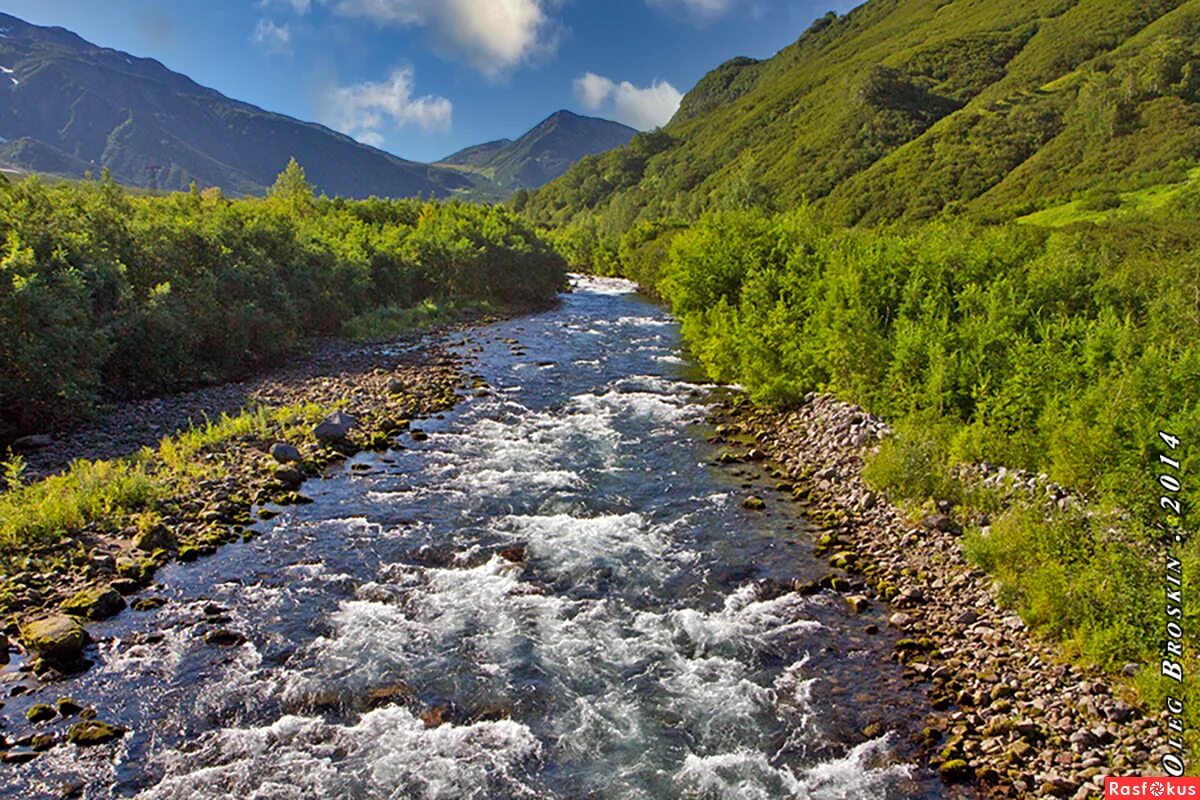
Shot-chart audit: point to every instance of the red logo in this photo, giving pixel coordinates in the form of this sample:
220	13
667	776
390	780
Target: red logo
1152	788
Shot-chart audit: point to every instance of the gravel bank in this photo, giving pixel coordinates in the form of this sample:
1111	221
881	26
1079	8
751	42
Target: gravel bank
1009	713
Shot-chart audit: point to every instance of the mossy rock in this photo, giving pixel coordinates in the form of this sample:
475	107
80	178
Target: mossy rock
68	707
97	603
954	770
754	503
40	713
156	537
58	640
90	733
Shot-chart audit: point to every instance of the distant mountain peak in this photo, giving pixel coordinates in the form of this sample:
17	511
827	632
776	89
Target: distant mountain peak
545	152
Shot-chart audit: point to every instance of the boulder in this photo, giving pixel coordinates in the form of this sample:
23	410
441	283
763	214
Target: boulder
289	478
754	503
943	523
156	537
285	453
335	427
97	603
40	713
93	732
58	639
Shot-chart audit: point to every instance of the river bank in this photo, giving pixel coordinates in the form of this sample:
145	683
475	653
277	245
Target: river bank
214	460
1011	713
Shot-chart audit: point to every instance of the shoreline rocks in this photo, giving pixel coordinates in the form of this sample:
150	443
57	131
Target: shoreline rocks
1008	713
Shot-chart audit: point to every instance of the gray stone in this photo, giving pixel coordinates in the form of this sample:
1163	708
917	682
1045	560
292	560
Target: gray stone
335	427
285	453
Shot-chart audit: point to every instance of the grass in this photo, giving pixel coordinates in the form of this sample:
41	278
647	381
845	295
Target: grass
1139	202
88	492
1080	577
381	323
112	495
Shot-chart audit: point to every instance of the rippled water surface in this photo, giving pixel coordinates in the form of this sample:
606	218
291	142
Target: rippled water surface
553	596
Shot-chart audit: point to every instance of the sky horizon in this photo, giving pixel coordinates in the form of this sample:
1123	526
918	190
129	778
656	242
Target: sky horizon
425	78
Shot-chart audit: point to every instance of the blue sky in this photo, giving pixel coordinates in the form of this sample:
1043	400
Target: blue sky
424	78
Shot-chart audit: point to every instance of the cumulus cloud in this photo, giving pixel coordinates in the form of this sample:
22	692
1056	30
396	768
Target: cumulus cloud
643	108
363	110
275	38
493	36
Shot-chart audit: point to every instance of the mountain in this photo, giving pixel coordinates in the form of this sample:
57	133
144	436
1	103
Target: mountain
544	153
905	109
69	107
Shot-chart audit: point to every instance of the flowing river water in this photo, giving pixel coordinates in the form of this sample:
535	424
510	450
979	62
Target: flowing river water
557	594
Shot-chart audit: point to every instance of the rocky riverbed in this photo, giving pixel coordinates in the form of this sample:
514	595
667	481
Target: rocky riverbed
1009	712
376	387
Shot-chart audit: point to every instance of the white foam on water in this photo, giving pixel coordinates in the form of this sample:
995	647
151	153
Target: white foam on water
6	70
387	753
564	544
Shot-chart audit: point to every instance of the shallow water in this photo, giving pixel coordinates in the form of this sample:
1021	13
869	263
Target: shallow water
630	654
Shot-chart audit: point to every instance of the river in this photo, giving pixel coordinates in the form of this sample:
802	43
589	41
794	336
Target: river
556	594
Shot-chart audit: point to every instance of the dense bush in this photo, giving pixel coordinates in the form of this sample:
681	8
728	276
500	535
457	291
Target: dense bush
103	292
1062	352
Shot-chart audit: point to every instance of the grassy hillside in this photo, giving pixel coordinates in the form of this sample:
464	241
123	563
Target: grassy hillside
906	109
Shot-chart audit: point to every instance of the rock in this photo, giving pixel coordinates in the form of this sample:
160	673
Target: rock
396	386
954	770
285	453
941	522
40	713
754	503
899	620
156	537
36	442
419	436
4	647
334	428
514	554
223	637
858	603
93	732
95	604
289	478
18	756
68	707
148	603
59	639
397	694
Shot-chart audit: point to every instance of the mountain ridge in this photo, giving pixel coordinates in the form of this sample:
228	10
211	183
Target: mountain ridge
69	107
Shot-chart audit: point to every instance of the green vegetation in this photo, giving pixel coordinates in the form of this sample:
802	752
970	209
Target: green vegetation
912	110
1062	352
107	293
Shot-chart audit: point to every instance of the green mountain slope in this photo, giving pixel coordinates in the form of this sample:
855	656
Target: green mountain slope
545	152
67	107
904	108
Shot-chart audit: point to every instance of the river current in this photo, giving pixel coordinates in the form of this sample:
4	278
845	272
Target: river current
557	594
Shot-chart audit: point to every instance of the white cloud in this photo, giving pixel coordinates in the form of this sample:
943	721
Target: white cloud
275	38
641	108
700	10
492	35
298	6
363	110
